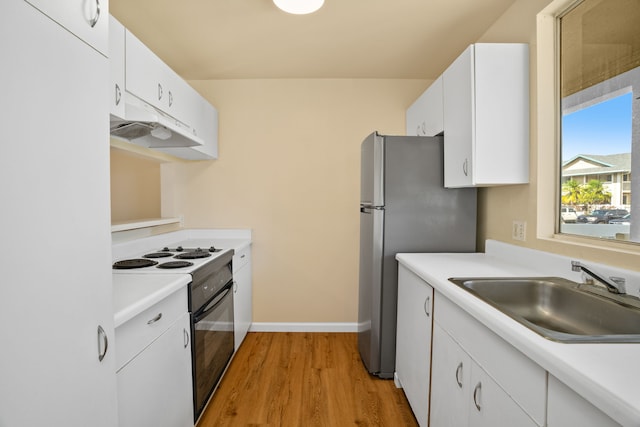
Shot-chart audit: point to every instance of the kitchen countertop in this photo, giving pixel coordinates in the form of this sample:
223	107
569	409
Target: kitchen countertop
606	375
134	293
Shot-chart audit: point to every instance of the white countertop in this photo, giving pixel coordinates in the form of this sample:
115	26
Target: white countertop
607	375
134	293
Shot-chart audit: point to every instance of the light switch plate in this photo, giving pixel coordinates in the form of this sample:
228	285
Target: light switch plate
519	231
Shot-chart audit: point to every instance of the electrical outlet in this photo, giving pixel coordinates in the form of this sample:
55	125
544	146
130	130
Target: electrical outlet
519	231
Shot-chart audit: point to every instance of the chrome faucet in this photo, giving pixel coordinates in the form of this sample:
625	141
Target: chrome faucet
616	285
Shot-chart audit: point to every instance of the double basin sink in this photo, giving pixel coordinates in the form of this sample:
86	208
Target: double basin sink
559	309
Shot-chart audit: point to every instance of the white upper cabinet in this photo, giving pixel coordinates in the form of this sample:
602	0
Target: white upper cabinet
87	19
425	116
116	65
139	72
486	116
151	80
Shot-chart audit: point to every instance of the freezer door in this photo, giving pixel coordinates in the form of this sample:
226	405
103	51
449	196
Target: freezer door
372	171
370	284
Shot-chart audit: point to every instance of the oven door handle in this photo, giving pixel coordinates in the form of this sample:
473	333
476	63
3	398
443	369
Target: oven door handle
213	303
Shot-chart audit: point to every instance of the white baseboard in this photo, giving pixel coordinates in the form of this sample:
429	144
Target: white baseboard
303	327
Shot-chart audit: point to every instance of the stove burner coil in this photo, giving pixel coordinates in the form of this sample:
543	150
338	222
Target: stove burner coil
198	253
175	264
133	263
158	255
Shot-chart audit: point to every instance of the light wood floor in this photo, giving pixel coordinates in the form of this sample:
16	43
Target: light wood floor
304	380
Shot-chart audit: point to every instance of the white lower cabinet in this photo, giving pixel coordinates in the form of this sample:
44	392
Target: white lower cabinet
478	379
413	341
567	408
242	298
463	394
155	385
450	381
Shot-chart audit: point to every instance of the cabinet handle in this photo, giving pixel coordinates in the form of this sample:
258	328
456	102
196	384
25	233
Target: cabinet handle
186	337
476	396
118	94
235	287
458	374
93	21
170	99
465	167
103	343
427	303
160	92
155	319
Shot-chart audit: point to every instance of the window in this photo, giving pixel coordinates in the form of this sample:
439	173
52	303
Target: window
599	90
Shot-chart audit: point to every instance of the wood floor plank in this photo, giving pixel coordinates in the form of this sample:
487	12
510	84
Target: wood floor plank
304	379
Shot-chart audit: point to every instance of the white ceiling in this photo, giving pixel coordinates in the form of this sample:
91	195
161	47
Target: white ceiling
236	39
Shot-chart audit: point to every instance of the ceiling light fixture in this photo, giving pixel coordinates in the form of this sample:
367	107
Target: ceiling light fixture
299	7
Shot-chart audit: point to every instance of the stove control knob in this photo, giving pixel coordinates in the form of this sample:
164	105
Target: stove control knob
212	249
179	249
165	249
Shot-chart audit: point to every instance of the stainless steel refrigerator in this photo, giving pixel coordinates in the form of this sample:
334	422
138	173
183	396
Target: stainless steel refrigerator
404	207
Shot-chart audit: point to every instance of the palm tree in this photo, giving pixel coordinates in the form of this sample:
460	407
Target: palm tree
593	192
571	192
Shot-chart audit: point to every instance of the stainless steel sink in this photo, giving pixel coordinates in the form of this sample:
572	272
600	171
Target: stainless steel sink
559	309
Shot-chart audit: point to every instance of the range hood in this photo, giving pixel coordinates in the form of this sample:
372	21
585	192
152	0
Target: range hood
149	127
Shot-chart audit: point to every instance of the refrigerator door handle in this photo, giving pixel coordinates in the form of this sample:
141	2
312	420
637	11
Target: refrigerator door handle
366	207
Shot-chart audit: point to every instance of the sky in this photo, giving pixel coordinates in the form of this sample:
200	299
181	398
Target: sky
603	128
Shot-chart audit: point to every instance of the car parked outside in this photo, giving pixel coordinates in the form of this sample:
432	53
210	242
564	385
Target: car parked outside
625	220
568	214
602	216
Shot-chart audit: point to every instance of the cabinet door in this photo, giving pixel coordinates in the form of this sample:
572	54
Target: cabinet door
87	19
450	381
567	408
56	194
434	118
155	388
242	303
425	117
415	114
146	74
459	120
413	341
184	103
116	67
491	406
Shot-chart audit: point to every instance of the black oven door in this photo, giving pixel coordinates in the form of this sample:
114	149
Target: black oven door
213	344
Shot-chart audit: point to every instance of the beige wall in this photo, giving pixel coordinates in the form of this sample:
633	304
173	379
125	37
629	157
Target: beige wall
289	168
135	186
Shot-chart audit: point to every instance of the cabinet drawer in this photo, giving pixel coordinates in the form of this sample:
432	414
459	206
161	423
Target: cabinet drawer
136	334
241	258
522	378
